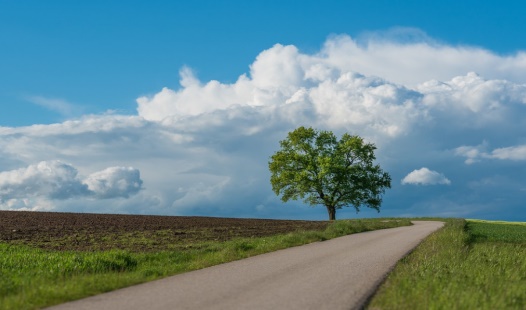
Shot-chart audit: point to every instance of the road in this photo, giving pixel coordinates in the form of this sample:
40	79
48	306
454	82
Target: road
341	273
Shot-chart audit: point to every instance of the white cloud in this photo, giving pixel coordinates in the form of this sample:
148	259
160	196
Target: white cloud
329	88
28	204
512	153
472	153
114	182
50	180
477	153
61	106
54	179
305	90
424	176
411	62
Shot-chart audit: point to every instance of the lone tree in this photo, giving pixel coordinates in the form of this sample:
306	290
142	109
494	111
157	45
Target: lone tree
315	166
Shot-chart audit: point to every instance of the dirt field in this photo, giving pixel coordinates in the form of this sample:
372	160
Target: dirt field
88	232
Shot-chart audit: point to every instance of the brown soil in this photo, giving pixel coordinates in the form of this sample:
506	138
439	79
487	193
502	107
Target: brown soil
88	232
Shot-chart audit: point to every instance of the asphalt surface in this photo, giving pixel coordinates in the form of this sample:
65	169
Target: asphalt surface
341	273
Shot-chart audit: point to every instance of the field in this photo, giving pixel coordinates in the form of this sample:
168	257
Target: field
466	265
135	233
49	258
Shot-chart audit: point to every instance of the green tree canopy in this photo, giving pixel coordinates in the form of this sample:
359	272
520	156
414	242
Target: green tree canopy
315	166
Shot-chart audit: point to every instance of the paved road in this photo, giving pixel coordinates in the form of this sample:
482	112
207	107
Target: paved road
336	274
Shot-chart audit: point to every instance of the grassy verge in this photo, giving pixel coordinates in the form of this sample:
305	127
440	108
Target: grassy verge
32	278
466	265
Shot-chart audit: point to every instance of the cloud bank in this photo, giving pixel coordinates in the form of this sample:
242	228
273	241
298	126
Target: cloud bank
203	148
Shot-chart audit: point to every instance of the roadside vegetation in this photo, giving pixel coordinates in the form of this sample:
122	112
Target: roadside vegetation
32	277
468	264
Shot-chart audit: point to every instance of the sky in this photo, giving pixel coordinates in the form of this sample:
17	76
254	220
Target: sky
175	107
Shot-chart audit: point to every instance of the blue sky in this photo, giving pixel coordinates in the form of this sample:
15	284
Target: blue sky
101	55
172	107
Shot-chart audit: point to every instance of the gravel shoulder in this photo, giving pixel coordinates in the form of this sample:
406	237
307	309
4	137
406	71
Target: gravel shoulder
341	273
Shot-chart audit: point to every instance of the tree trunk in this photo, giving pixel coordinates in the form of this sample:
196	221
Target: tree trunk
332	213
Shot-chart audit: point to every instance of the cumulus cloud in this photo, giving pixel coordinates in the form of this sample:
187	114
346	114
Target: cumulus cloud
303	90
330	88
203	147
51	179
58	180
114	182
419	58
424	176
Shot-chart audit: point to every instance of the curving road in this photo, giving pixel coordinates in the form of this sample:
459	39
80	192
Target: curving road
341	273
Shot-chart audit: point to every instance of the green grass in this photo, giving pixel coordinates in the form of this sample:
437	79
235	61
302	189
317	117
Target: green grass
485	231
465	265
31	278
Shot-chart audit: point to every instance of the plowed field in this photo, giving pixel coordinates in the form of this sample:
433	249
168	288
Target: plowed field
89	232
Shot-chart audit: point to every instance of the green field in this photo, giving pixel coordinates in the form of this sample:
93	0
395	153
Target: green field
466	265
31	278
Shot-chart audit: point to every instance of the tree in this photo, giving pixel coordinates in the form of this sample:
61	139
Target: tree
314	166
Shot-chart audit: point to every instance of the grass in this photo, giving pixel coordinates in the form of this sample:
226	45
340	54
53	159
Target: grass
31	278
466	265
